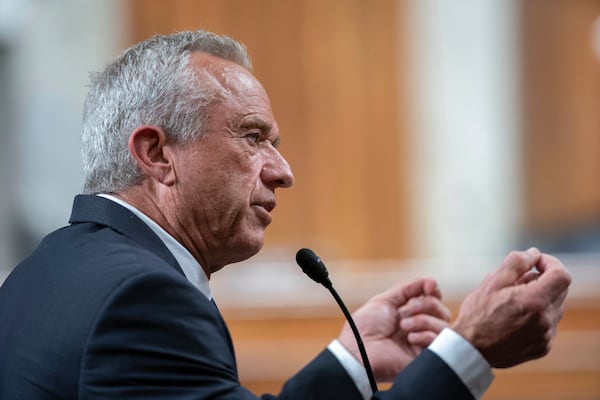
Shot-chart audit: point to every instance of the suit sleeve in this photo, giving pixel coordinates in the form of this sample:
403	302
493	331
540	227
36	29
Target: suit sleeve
157	337
428	377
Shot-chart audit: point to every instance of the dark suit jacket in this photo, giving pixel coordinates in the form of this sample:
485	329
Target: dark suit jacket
101	310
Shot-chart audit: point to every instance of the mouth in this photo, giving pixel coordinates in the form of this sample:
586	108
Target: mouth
268	206
263	211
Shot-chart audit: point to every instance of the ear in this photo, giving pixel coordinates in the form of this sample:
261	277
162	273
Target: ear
148	146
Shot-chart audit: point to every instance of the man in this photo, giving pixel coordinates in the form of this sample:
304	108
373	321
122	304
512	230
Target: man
181	163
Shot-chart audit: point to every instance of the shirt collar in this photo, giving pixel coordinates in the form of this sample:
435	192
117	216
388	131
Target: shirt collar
191	268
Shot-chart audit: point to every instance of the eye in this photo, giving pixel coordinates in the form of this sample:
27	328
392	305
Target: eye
253	137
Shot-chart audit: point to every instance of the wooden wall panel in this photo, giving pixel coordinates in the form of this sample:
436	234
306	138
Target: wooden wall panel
331	70
570	372
561	115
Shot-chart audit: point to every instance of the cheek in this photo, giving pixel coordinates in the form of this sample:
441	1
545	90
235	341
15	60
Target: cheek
224	197
221	189
237	180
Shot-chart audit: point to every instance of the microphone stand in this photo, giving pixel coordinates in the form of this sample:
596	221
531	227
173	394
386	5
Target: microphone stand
312	266
359	342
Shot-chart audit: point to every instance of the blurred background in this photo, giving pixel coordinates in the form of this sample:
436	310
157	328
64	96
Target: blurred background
427	137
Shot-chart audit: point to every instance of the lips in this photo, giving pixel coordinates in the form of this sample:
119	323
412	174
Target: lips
267	205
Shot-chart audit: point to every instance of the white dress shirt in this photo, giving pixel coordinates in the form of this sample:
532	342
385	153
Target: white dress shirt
457	352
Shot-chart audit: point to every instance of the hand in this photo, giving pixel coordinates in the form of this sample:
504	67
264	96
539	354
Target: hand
396	325
512	316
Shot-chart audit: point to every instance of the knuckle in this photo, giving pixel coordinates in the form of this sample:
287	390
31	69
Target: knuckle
514	256
515	253
566	277
562	276
429	302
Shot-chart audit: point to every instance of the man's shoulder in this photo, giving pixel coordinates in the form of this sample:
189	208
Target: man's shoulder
87	258
81	280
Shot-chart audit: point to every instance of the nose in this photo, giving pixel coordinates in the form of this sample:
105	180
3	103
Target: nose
276	171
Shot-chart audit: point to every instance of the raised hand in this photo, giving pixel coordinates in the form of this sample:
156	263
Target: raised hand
397	324
512	316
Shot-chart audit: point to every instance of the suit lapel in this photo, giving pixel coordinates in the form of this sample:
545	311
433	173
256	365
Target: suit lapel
227	333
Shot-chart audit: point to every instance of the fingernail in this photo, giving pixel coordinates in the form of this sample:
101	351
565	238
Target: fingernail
533	251
404	312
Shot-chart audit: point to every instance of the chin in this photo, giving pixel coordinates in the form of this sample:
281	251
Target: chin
232	257
242	251
252	251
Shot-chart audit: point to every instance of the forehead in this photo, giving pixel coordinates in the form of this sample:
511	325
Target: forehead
241	99
227	78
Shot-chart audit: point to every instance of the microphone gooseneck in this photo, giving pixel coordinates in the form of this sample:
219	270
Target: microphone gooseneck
312	266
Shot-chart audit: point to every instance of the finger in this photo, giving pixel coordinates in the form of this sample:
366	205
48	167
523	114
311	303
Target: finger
560	300
425	305
431	288
421	323
514	266
421	339
529	276
400	293
554	281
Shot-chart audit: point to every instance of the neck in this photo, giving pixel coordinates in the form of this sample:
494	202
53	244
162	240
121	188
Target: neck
162	213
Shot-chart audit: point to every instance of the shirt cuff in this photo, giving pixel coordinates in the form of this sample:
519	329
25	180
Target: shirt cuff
465	360
357	372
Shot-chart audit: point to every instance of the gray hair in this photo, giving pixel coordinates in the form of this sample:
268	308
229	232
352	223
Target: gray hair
152	82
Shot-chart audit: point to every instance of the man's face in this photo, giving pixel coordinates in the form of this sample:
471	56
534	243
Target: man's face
226	180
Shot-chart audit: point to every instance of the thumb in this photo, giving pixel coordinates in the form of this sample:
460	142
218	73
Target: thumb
514	267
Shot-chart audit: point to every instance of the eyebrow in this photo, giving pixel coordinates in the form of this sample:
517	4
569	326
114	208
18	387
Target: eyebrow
259	123
256	122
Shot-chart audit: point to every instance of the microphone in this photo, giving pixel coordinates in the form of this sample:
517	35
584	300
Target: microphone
312	266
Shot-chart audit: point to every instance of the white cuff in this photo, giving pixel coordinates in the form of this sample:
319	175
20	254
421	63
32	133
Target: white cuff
355	369
465	360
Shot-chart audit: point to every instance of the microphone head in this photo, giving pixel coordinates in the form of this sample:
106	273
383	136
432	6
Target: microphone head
312	266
